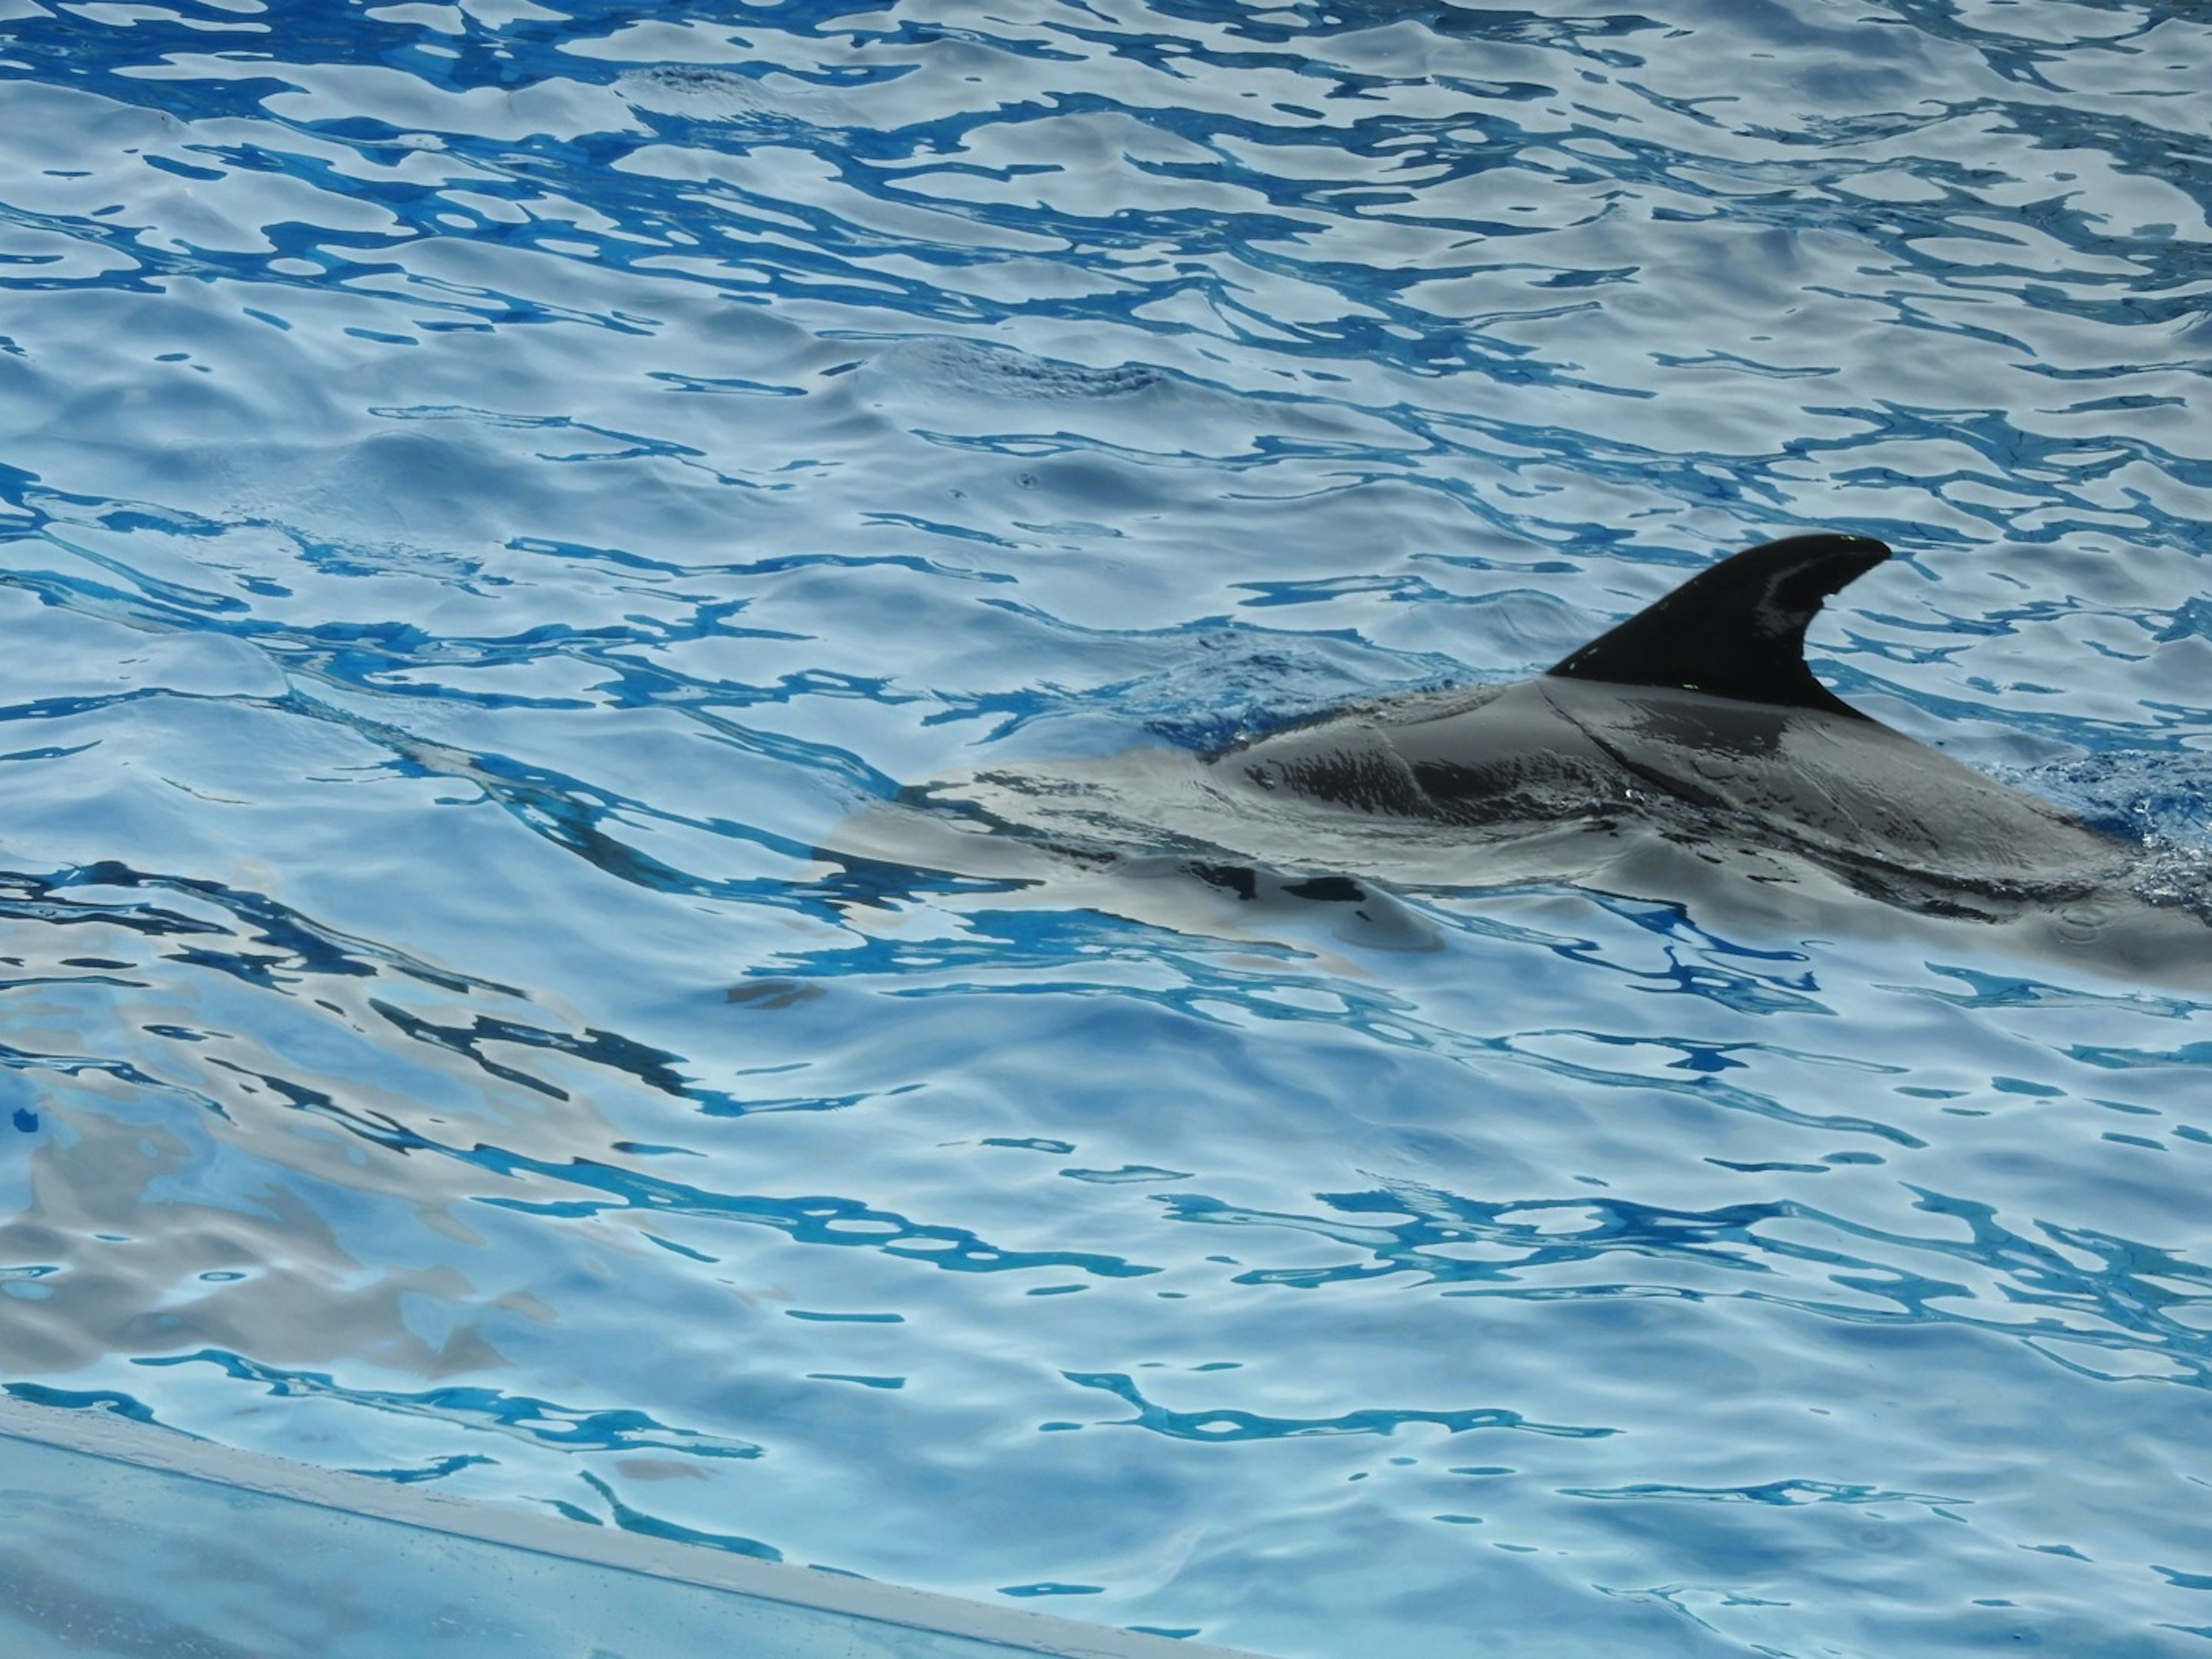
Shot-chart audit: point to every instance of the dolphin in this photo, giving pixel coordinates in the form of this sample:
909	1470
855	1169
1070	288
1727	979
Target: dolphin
1688	754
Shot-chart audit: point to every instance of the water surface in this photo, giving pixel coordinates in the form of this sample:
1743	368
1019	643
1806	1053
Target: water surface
485	489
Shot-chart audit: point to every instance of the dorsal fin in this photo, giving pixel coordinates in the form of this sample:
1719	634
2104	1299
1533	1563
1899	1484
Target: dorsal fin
1738	630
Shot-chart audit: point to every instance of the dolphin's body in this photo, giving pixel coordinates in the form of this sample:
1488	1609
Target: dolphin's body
1690	740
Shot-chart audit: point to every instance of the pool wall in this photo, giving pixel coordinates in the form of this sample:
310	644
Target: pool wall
118	1538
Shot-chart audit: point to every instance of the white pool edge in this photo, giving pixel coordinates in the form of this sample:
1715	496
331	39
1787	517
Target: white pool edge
119	1440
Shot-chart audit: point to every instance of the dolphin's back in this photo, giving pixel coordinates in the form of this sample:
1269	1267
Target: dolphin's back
1699	716
1687	753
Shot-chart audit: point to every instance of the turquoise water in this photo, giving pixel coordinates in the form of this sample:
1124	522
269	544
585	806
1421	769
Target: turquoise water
128	1540
487	490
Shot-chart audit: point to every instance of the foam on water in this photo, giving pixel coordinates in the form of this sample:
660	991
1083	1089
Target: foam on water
484	488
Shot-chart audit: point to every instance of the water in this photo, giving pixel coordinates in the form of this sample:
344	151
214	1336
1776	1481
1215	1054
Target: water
120	1539
487	489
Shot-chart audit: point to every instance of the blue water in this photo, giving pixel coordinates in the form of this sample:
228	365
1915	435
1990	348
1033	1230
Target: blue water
486	489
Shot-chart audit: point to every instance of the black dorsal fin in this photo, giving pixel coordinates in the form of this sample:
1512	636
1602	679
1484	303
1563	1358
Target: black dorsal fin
1738	630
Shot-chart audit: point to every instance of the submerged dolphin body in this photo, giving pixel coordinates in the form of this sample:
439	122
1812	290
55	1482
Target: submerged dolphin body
1691	739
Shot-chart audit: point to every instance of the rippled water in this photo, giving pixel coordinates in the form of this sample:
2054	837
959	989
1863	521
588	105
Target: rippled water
484	489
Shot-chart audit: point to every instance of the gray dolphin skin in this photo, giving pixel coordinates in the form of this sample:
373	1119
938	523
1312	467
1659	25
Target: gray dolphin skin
1698	713
1687	755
